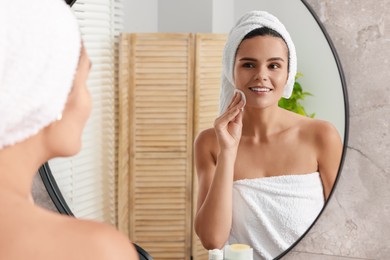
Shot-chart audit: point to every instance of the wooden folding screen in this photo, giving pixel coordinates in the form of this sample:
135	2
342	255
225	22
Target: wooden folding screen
123	135
208	70
169	92
161	134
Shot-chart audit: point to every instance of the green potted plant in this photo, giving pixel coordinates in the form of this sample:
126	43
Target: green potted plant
294	102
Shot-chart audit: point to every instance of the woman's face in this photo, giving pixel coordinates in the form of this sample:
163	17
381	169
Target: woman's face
65	134
261	70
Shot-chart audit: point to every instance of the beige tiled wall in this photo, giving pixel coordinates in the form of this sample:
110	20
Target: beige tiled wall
356	222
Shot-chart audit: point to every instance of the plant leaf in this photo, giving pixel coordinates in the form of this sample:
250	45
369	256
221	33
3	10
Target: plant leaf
293	103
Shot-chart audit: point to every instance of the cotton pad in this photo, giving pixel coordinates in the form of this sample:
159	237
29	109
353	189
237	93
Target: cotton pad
242	95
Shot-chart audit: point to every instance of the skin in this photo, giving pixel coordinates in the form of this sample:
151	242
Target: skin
30	232
262	140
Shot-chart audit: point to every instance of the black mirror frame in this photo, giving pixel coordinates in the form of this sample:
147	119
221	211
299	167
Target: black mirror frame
53	190
70	2
62	207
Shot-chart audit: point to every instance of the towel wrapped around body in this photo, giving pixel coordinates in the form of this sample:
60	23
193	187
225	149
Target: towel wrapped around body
271	213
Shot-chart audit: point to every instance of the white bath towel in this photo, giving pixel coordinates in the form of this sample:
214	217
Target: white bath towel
270	214
250	21
39	52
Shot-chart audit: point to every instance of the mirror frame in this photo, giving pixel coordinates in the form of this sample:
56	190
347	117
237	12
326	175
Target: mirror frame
53	190
70	2
63	208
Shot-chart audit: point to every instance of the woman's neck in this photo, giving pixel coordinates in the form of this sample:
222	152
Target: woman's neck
18	166
261	123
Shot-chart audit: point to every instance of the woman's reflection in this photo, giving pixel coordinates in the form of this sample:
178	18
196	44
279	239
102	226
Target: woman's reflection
264	172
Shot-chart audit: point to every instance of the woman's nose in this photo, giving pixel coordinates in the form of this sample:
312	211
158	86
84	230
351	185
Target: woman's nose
260	75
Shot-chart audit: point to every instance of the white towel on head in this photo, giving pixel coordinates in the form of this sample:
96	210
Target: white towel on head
39	52
270	214
250	21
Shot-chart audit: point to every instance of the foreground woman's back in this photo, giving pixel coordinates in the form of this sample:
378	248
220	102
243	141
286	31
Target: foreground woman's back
44	105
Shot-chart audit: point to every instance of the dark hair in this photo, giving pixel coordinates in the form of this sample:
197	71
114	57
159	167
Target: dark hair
263	31
266	31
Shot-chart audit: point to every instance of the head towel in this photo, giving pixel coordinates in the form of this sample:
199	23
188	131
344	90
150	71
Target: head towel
249	22
39	52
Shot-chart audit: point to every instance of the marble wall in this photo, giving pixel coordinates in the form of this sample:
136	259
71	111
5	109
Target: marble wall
356	222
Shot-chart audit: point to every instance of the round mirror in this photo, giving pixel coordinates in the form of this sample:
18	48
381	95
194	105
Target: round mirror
318	63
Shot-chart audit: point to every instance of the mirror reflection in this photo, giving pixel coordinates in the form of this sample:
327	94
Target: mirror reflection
255	187
171	99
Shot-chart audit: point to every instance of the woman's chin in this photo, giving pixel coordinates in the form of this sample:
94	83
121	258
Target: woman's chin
259	105
68	150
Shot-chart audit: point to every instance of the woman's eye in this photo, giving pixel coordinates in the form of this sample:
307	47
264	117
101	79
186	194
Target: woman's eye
248	65
274	66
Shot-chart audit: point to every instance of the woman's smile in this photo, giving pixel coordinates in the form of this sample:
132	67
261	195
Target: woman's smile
260	90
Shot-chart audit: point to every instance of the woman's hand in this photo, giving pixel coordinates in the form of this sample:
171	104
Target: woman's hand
228	126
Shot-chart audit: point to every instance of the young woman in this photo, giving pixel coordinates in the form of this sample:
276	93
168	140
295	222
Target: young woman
44	105
263	172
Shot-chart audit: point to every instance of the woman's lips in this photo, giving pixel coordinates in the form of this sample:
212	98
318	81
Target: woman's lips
260	89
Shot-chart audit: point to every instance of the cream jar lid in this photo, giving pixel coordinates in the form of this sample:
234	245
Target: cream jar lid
238	252
215	254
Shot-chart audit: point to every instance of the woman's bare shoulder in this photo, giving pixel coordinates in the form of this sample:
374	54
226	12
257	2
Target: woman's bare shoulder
321	129
313	130
322	134
49	235
96	240
205	149
206	136
307	125
326	141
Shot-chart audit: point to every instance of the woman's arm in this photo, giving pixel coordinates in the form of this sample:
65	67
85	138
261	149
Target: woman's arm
215	182
215	176
329	155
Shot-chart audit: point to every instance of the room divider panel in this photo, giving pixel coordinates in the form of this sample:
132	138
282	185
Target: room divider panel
169	90
208	53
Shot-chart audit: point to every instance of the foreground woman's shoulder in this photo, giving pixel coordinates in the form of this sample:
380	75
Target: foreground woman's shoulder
100	241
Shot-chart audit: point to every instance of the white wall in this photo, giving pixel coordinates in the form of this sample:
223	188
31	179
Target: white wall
140	16
184	16
223	16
